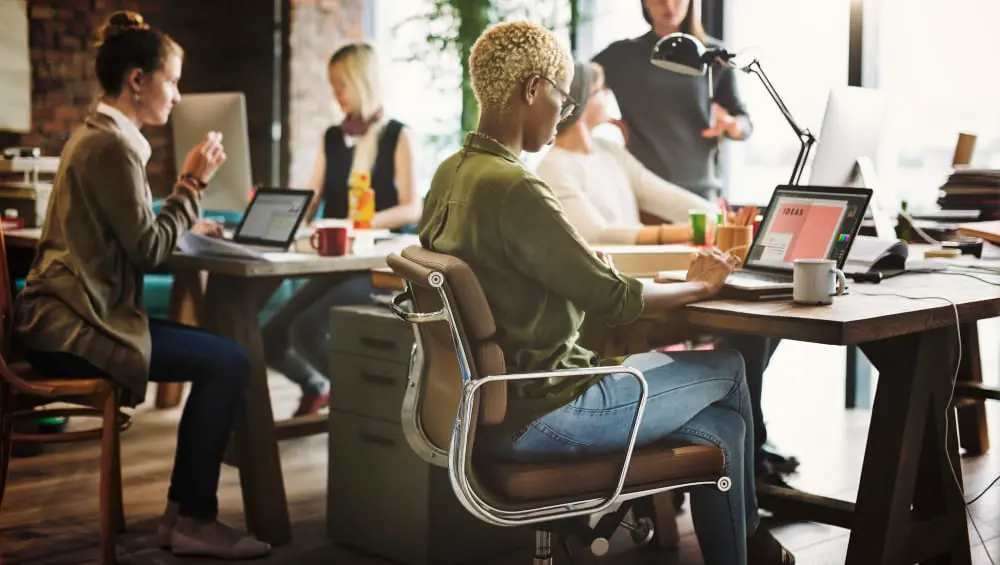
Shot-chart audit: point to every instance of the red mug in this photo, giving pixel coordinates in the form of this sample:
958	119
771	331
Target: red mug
330	242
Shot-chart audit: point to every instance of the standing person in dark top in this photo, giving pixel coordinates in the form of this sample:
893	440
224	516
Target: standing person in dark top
673	128
297	337
675	131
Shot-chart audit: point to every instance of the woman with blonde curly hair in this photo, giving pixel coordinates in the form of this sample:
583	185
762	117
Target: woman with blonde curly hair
540	278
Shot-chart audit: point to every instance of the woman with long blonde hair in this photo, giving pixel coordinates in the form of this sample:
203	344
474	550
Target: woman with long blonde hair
297	336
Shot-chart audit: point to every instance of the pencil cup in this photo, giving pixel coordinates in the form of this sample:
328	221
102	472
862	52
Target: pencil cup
735	240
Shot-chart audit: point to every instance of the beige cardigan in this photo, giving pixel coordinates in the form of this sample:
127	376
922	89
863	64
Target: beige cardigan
84	292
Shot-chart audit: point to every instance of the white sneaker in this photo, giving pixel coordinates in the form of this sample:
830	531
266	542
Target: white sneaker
194	538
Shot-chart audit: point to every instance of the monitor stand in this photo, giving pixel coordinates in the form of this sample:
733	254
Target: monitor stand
865	176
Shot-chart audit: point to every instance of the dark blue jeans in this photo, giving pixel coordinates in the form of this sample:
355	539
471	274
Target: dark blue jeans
218	371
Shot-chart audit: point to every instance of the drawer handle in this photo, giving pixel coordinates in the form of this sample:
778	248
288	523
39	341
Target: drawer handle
377	439
378	343
380	380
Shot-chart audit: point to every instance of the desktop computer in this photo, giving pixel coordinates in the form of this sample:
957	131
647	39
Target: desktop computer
854	149
196	115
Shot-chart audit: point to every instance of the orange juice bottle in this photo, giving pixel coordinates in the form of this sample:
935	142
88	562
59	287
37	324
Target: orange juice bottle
361	200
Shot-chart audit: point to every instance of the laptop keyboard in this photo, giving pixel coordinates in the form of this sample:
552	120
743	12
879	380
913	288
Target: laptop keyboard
761	277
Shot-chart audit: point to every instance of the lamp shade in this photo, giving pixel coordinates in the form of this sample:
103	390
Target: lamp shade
681	53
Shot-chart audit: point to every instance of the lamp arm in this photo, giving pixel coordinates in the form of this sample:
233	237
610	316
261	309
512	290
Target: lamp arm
806	138
755	68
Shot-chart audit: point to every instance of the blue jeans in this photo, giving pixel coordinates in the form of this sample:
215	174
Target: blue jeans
696	397
297	337
757	352
218	370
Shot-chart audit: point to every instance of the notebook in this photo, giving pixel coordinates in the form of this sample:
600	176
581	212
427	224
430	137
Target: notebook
990	231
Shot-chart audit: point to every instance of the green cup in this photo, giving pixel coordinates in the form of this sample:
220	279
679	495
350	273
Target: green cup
699	227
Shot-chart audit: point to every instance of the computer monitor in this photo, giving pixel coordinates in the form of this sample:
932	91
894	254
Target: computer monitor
854	149
196	115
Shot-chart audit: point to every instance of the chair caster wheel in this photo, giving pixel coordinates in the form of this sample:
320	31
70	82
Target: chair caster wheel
642	531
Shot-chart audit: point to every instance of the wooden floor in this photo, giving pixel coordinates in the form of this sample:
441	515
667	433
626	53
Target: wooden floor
49	514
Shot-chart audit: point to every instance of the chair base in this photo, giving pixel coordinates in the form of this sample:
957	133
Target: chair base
543	548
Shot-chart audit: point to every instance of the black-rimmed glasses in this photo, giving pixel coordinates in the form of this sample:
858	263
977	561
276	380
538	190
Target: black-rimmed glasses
569	104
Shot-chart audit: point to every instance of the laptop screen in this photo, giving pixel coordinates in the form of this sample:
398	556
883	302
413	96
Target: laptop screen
808	223
273	217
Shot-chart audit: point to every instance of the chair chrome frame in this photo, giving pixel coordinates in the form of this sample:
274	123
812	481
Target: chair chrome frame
456	458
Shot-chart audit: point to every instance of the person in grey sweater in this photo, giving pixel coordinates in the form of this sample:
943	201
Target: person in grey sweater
674	130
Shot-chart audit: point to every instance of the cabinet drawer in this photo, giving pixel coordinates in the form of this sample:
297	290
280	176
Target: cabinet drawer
371	331
386	501
367	386
377	489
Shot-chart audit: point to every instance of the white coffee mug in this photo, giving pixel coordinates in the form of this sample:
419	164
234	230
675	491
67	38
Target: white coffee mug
817	281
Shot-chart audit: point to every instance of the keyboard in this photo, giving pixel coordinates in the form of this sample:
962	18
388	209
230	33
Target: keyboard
760	277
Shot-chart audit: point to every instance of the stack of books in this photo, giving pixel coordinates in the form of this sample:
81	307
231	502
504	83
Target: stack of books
972	189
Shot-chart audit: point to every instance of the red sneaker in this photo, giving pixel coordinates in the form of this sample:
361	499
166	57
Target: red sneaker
312	403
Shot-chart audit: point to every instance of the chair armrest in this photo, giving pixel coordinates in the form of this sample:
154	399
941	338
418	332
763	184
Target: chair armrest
21	385
458	452
414	317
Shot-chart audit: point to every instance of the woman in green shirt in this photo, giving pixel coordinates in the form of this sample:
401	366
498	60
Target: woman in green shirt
540	278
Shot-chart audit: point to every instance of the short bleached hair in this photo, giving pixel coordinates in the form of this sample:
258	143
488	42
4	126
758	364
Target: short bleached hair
508	53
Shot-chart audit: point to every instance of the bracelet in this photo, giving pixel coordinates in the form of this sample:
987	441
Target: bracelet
198	183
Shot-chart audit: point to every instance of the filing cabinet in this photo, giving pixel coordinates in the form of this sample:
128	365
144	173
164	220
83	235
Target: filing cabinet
381	497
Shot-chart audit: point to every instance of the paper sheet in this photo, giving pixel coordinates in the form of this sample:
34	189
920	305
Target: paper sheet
15	67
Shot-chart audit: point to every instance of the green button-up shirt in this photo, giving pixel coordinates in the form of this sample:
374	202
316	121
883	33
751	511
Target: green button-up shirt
539	276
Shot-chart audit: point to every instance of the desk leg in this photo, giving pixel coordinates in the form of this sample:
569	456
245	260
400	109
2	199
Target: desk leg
907	462
231	309
858	379
186	296
972	431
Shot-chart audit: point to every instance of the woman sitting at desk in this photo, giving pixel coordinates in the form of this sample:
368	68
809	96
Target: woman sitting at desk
80	314
540	279
297	337
602	187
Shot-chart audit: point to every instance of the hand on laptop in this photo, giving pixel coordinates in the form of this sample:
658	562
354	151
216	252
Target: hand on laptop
207	228
711	267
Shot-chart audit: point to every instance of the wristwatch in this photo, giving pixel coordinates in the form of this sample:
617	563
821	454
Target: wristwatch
197	182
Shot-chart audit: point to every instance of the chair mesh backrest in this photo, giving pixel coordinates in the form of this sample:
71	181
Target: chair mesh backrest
474	324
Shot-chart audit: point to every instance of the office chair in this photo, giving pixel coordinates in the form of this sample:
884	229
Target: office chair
458	381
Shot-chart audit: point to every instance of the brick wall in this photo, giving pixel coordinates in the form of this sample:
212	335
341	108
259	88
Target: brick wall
61	39
317	28
228	44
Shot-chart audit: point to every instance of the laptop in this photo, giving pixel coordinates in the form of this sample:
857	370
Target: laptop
801	222
269	225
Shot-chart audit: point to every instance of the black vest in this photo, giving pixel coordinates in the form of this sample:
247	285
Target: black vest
339	158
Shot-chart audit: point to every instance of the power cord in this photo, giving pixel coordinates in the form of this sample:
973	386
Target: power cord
948	407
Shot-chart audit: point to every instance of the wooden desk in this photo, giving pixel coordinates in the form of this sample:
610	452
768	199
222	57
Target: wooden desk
235	293
913	345
26	238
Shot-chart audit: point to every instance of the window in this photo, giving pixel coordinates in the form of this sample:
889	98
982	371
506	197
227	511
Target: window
935	62
421	84
803	49
613	20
